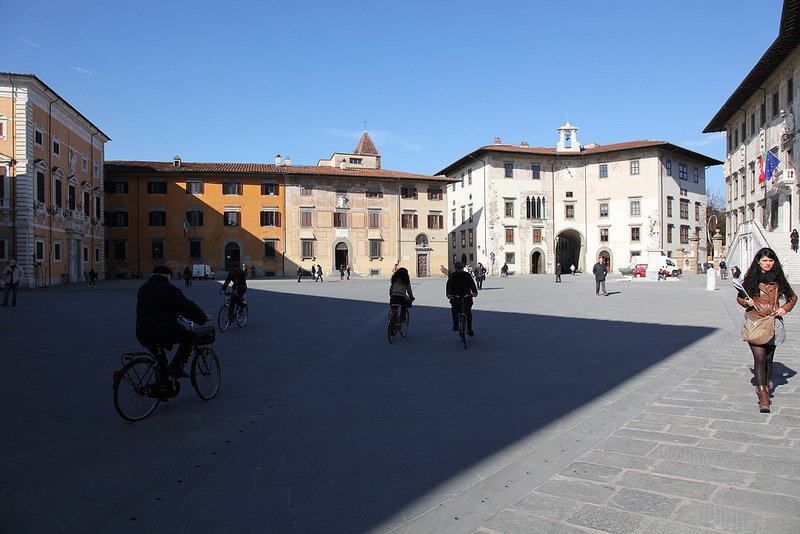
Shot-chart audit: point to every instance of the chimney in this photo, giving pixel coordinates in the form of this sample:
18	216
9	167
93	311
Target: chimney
287	161
498	141
278	159
176	161
343	164
524	144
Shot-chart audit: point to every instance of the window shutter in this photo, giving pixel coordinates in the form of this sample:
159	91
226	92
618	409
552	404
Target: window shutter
415	193
277	218
430	194
441	222
415	220
238	218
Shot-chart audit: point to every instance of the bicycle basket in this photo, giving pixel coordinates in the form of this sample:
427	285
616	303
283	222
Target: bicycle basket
206	334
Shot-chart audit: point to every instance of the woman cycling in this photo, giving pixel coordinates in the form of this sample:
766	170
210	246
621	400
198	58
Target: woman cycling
400	291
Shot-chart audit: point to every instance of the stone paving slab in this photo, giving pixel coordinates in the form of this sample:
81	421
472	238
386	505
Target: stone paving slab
567	413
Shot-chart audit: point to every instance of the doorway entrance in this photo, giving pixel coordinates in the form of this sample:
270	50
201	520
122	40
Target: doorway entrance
341	256
232	256
537	263
569	250
422	265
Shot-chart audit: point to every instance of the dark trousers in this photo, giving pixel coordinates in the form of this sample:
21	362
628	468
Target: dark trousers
455	309
600	287
185	340
12	289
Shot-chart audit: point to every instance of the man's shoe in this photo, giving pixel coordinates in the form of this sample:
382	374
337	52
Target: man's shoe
470	333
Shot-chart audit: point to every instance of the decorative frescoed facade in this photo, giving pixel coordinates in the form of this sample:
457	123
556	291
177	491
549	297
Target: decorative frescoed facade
533	208
759	117
51	176
345	211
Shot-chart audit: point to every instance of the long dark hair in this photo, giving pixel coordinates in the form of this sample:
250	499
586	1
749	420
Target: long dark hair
401	275
750	281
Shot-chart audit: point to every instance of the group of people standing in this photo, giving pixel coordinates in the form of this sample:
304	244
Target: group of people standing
316	273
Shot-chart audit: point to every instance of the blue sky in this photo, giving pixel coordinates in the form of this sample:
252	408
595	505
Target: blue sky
243	81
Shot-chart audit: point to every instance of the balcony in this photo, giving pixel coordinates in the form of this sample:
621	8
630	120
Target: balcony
785	179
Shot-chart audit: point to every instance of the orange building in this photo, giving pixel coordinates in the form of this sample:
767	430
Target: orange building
51	198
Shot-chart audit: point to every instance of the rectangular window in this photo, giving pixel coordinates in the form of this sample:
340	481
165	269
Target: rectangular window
306	218
157	218
536	170
684	235
635	233
117	219
306	248
194	188
669	233
635	208
509	208
435	193
269	249
470	213
604	170
683	171
119	250
374	249
87	203
463	175
56	147
306	191
71	197
57	250
510	258
697	211
604	235
195	218
408	192
232	218
340	219
604	209
157	250
372	194
684	209
374	219
117	188
775	104
39	250
195	249
435	221
668	165
231	188
463	213
569	211
156	188
38	137
454	217
509	169
40	186
85	164
463	238
269	189
509	235
669	206
453	239
471	237
696	175
270	218
408	220
356	161
537	235
763	113
634	166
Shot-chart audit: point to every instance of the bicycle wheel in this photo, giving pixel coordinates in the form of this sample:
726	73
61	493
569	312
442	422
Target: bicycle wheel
224	318
206	374
403	325
462	328
131	387
392	326
241	315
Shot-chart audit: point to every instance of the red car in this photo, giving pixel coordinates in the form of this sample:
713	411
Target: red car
640	269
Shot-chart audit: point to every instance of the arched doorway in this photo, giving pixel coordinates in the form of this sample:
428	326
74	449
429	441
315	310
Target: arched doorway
605	255
537	262
464	259
422	250
232	255
341	255
569	250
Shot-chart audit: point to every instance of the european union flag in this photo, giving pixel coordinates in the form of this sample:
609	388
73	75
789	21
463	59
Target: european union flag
772	163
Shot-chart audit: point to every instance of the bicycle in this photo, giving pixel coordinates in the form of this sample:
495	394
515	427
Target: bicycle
395	325
231	311
462	317
136	384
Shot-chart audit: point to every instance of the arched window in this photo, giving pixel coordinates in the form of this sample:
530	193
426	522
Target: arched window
422	241
528	207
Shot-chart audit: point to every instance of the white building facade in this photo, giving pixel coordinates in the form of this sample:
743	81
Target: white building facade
760	116
534	208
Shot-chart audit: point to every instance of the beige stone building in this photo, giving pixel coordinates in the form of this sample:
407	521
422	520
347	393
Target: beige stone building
51	177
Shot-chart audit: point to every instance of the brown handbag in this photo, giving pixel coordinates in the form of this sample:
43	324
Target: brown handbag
759	331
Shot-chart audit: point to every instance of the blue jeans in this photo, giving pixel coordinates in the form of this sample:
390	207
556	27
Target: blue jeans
10	288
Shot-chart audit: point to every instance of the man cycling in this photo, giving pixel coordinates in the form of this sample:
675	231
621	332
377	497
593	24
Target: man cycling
158	305
238	278
461	283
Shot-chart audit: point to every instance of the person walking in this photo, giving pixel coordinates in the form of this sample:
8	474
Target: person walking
723	270
600	271
572	268
794	237
92	277
558	273
480	275
341	272
253	272
504	271
12	274
348	272
299	273
764	286
187	277
314	272
319	273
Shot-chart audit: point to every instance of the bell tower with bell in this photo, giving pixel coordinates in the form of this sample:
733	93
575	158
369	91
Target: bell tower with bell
568	140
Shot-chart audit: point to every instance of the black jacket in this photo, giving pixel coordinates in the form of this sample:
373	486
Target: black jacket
460	283
157	308
599	271
239	282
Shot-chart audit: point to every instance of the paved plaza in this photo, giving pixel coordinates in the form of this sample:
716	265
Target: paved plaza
568	413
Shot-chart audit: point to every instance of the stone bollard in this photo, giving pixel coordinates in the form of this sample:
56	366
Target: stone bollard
711	280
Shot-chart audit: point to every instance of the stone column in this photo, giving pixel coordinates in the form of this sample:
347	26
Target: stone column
694	244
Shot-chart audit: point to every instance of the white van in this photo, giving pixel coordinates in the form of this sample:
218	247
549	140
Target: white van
203	271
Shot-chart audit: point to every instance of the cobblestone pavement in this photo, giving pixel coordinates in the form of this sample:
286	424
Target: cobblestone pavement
567	413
